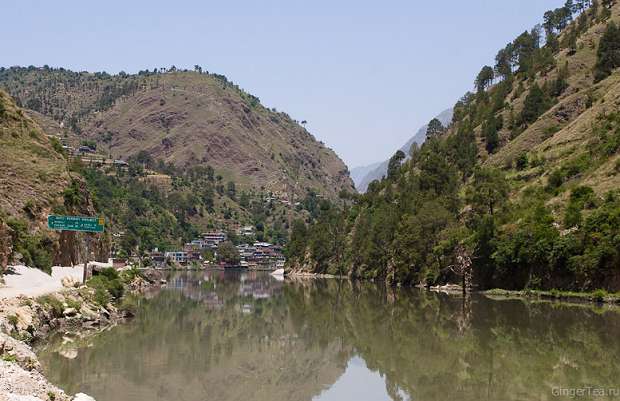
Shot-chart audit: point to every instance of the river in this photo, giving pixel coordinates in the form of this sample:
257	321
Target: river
234	335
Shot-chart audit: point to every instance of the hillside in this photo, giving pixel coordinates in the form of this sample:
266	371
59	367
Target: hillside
146	204
35	182
187	118
519	192
380	170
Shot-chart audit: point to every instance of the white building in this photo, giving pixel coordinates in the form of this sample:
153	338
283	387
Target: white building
178	257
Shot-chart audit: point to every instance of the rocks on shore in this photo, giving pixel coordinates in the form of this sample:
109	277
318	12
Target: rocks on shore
24	319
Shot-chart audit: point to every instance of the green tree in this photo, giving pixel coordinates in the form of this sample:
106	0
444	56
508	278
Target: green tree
608	53
484	79
489	191
394	163
435	127
490	130
536	103
503	61
228	253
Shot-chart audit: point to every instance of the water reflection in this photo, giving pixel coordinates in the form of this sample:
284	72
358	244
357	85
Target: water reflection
245	336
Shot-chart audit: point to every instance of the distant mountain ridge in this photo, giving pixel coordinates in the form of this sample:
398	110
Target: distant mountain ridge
381	168
358	173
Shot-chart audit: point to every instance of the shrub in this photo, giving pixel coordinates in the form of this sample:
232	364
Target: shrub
36	249
599	295
556	179
107	286
521	162
12	320
53	303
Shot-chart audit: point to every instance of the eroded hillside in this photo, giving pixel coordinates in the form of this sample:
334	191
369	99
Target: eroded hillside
187	118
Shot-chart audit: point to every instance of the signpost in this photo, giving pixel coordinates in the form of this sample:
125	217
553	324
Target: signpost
78	223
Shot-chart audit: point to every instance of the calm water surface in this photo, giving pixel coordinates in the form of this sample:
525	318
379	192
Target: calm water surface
246	336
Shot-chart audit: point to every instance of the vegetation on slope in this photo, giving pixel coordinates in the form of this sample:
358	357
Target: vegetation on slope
523	181
187	118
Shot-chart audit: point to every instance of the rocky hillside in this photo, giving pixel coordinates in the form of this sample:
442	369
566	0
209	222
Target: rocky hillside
35	182
187	118
380	170
521	191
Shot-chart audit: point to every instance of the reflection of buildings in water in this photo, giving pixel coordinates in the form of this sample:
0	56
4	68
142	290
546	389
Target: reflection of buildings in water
204	286
260	289
196	288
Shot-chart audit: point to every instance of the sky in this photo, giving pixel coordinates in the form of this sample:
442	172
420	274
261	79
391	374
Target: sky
364	74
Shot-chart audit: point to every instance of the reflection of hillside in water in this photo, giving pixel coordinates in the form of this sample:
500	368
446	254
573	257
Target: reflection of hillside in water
244	336
192	342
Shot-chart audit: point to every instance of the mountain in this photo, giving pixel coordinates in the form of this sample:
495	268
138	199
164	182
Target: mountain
380	170
183	118
520	192
358	173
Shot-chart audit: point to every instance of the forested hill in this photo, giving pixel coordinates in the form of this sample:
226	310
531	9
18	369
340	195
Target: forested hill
524	180
183	118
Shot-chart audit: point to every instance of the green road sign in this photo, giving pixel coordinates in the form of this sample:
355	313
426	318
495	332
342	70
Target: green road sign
76	223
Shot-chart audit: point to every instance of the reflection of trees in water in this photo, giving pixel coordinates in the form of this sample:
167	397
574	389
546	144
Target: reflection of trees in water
435	346
298	340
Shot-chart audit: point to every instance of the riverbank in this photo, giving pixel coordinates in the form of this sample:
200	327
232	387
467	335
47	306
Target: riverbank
594	297
600	297
77	308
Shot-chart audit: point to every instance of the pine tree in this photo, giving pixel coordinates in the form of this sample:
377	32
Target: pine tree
434	128
608	54
485	78
536	103
394	163
490	130
560	84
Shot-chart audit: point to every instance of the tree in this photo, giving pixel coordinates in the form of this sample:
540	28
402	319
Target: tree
490	130
536	103
503	61
560	84
608	54
435	127
524	47
228	253
484	79
489	191
572	41
231	190
394	163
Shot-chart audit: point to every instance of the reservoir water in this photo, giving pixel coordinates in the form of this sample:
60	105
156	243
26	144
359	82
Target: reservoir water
235	335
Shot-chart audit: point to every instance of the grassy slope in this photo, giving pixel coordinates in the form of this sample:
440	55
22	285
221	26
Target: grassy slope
573	120
31	169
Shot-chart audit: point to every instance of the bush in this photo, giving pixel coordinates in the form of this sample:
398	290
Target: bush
556	179
107	286
599	295
36	249
522	161
53	303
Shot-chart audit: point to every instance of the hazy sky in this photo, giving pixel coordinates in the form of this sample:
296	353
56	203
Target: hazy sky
364	74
